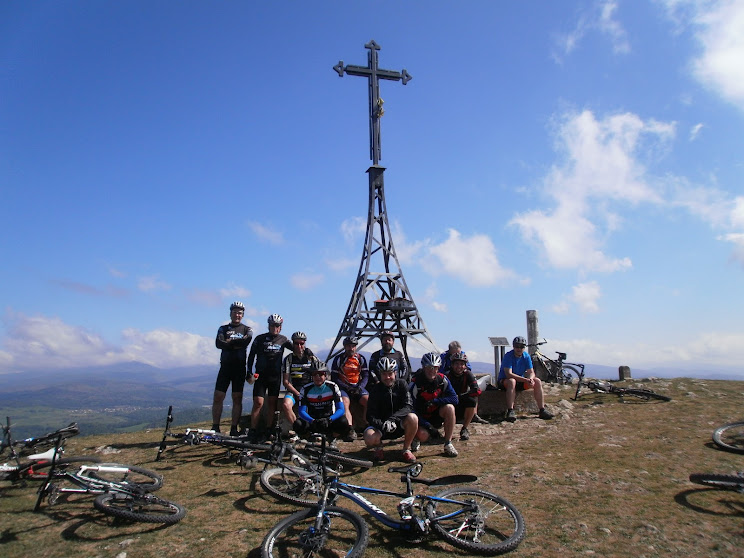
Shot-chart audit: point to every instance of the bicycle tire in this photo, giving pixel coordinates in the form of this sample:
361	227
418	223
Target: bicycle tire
495	526
296	535
292	485
347	460
566	371
144	508
730	482
645	394
730	437
40	471
147	480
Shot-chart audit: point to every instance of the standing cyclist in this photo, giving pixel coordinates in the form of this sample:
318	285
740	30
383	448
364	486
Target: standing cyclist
233	338
267	351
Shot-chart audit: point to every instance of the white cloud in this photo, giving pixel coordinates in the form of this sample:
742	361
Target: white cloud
600	17
695	130
306	281
341	264
152	283
265	233
352	228
438	306
600	172
472	260
720	66
586	295
166	348
42	342
406	251
234	291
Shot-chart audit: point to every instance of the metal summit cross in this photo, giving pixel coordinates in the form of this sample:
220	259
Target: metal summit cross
381	299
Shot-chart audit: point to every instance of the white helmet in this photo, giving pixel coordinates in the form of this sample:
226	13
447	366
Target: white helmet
386	364
237	305
431	359
275	319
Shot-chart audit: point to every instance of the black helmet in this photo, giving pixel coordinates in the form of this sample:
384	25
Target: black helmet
459	356
351	340
299	336
519	340
387	332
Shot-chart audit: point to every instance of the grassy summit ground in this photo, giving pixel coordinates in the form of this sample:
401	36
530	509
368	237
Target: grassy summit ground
603	478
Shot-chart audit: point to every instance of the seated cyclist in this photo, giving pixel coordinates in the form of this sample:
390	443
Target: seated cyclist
321	408
466	387
349	370
434	402
516	374
390	411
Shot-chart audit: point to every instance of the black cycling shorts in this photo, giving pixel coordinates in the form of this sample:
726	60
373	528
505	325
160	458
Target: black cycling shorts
230	374
267	385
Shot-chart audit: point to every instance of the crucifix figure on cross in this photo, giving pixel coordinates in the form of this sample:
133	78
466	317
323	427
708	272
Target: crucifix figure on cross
373	74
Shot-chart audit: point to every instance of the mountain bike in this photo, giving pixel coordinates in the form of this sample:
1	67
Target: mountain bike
597	386
730	437
273	452
22	467
123	491
715	480
466	517
556	371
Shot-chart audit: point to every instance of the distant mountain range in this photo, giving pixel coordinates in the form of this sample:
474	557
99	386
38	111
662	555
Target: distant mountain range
134	395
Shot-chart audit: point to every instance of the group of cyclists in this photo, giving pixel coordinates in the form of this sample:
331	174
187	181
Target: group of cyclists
393	402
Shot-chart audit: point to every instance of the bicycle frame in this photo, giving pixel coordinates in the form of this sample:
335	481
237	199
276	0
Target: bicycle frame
90	485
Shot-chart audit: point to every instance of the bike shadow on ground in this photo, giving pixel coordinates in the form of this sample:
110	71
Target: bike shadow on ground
712	501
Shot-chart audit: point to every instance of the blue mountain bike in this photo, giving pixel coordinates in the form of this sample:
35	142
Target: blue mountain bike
466	517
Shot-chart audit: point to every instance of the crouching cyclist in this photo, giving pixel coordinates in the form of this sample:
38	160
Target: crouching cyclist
390	411
321	408
434	401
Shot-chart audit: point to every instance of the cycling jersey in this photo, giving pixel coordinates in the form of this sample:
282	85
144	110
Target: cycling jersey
350	371
233	340
374	375
323	401
298	368
267	351
447	363
431	393
388	403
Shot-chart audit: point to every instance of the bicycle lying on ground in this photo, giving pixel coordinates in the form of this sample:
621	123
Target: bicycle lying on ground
22	467
597	386
715	480
556	371
122	491
466	517
730	437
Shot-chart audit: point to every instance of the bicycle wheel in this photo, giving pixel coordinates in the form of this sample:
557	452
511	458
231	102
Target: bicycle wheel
295	485
566	373
480	522
146	508
342	532
40	471
130	475
347	460
730	482
645	394
730	437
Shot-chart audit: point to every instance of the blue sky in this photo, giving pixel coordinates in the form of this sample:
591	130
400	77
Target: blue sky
159	160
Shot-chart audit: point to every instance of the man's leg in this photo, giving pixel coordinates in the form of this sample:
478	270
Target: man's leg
347	408
467	416
363	400
237	409
510	384
448	415
539	397
288	408
217	401
256	411
410	426
271	408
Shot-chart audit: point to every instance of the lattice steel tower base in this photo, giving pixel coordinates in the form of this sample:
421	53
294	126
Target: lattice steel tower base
381	299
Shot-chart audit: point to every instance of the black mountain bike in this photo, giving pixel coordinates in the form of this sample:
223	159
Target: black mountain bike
597	386
556	371
466	517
